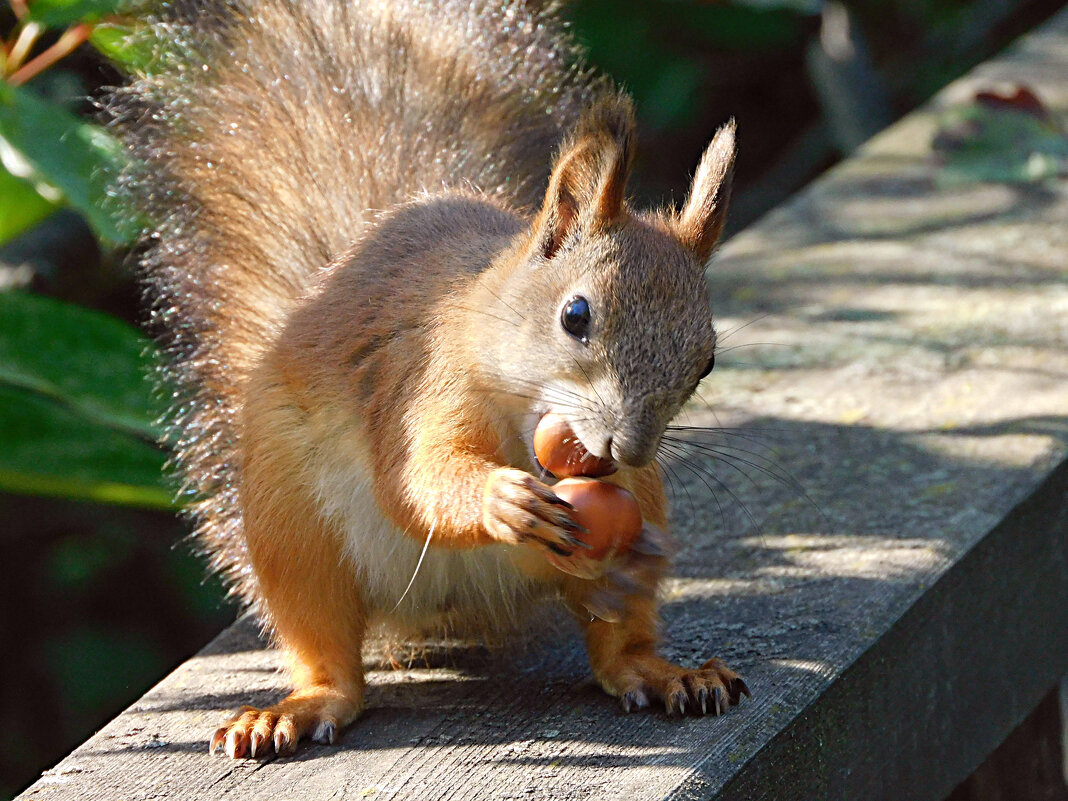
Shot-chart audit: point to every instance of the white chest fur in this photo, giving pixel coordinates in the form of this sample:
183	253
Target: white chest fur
481	583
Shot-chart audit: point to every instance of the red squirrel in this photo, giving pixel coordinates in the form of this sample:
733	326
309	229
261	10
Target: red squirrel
387	238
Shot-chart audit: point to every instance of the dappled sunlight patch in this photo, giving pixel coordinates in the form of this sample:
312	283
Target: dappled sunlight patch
1014	450
818	667
838	555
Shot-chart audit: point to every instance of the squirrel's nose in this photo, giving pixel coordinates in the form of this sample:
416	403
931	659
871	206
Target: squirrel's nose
636	437
634	451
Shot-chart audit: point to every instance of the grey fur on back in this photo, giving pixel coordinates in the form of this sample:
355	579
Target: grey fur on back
266	137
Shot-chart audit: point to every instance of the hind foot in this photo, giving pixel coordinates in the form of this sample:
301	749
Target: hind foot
318	713
636	680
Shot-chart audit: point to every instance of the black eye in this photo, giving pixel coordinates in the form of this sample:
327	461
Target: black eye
709	366
575	318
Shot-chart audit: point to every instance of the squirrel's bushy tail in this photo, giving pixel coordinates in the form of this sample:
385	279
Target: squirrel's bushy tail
266	135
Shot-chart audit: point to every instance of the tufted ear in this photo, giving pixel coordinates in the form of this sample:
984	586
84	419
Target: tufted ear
701	221
589	178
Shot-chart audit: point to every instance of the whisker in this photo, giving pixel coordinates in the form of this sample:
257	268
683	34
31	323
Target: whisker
505	303
487	313
706	473
749	432
723	516
563	400
720	351
419	564
578	364
560	392
706	403
727	461
765	466
708	447
674	483
738	328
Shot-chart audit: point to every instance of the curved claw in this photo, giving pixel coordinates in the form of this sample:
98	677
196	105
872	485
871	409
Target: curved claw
325	732
517	508
236	745
680	703
635	699
217	740
711	689
255	741
283	743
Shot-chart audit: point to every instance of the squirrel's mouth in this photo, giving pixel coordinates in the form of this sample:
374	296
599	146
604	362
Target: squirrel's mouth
595	467
559	450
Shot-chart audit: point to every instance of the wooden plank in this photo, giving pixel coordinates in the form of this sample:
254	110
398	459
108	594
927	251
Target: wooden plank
893	629
1029	764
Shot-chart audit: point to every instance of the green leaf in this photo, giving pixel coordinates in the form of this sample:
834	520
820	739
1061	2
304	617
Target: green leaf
21	207
95	364
60	13
48	449
76	409
124	45
56	150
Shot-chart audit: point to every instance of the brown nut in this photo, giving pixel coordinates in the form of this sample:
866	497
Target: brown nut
610	515
561	453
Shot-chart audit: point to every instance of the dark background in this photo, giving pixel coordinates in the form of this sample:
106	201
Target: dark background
101	602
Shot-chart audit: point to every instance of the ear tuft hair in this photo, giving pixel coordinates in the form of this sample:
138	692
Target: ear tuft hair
589	179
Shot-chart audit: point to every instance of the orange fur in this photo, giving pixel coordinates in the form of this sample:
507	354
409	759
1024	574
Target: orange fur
364	385
312	599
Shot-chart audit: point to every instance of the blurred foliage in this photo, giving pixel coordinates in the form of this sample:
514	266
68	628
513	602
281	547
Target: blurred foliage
76	413
21	204
60	13
103	601
109	602
1007	138
63	159
44	147
89	361
650	47
119	43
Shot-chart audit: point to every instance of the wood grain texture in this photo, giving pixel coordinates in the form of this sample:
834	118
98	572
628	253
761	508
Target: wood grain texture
894	626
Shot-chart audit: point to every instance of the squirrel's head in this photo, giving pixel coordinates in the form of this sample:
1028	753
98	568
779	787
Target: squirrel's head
619	325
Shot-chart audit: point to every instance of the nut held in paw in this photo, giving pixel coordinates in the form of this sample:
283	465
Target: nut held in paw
610	516
561	453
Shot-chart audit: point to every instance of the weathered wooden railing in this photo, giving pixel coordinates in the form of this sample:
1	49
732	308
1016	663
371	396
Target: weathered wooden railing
893	630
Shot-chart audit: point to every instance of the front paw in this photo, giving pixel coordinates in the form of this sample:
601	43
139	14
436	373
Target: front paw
316	713
633	573
517	508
